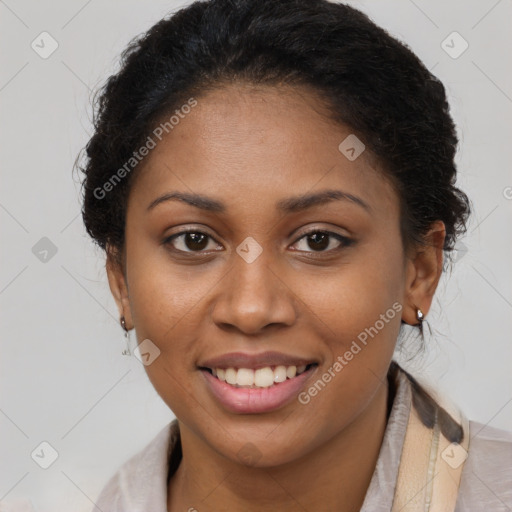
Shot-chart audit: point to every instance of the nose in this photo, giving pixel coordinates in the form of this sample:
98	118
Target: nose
253	296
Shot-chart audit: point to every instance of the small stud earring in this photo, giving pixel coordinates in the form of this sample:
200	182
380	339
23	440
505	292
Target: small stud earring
419	315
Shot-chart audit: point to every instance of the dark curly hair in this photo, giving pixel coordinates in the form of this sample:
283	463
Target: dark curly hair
369	80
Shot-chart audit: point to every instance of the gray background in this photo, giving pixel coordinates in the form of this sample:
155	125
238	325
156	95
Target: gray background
63	379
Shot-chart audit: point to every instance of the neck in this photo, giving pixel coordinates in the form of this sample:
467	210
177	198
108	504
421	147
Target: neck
335	476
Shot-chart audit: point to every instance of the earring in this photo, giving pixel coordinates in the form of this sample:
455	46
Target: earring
419	315
126	351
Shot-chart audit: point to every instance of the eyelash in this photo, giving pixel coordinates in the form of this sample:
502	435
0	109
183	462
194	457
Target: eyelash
345	241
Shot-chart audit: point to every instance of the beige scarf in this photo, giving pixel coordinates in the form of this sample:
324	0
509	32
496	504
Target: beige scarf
430	466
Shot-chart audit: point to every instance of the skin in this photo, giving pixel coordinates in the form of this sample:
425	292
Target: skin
249	148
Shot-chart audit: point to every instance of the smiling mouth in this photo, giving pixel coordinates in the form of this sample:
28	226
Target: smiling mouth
264	377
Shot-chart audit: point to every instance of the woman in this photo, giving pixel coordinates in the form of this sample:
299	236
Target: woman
273	185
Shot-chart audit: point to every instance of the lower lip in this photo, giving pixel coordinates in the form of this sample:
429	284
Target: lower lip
256	400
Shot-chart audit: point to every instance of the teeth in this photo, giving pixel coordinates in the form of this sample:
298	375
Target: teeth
231	376
280	374
260	378
263	377
245	377
291	371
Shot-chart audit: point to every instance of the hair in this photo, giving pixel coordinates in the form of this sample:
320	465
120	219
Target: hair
369	80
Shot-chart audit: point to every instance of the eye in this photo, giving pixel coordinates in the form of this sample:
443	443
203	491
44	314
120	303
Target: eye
320	240
195	241
190	240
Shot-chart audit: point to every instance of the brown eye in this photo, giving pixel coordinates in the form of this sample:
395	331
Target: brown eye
188	241
319	241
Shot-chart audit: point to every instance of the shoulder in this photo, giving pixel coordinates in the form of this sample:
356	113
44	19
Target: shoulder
141	481
486	482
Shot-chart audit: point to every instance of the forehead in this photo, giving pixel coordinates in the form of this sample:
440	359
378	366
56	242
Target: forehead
251	145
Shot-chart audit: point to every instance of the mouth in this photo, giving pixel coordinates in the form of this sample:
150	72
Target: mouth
265	377
256	390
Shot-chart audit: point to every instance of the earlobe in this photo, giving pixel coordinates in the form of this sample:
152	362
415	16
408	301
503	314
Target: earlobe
118	287
424	272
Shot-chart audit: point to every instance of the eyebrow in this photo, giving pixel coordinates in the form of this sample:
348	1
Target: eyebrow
289	205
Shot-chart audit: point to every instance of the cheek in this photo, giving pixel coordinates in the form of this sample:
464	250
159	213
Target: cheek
164	303
359	325
354	296
164	299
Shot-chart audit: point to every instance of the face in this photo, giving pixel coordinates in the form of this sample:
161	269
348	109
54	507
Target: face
263	278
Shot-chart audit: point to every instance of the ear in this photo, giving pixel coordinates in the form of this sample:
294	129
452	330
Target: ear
423	272
118	285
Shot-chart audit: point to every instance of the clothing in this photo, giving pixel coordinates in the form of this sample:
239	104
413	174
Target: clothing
140	484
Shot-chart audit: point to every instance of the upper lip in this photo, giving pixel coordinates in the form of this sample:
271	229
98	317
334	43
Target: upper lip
254	361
